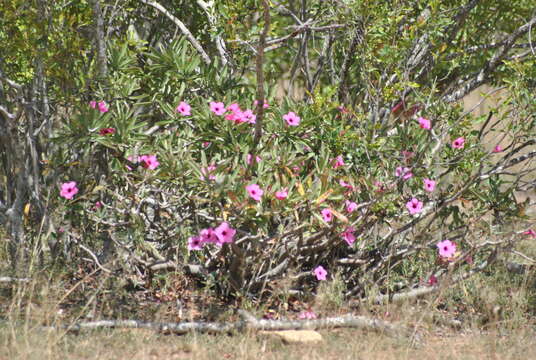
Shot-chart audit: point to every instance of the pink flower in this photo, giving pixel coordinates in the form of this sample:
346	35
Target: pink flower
149	161
237	117
106	131
327	215
350	206
380	187
132	160
404	172
414	206
320	273
398	107
346	185
458	143
348	235
184	109
281	194
255	192
195	243
446	248
530	232
93	104
338	162
432	280
307	315
292	119
407	154
205	144
208	236
249	116
98	205
68	190
217	108
425	123
102	106
497	149
234	107
469	259
207	173
429	185
224	233
264	105
249	158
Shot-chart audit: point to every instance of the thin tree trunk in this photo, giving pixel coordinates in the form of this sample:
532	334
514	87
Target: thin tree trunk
100	40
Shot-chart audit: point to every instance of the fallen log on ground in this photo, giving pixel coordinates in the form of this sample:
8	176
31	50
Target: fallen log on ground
250	323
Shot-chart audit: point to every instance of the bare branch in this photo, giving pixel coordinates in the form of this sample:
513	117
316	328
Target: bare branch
208	8
426	290
459	19
6	113
250	323
278	42
357	40
95	259
10	83
492	64
324	58
182	27
8	279
483	47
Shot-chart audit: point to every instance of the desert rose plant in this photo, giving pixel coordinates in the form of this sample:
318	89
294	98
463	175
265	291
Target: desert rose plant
362	164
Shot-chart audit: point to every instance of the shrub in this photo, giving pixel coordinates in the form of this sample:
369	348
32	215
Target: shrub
387	183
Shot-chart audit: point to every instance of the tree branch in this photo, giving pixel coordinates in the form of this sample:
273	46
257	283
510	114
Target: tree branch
6	113
248	322
182	27
493	63
357	40
7	279
208	8
484	47
11	83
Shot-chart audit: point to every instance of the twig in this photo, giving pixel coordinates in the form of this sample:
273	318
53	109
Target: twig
94	258
182	27
424	290
326	53
276	43
357	40
483	47
6	113
518	253
11	83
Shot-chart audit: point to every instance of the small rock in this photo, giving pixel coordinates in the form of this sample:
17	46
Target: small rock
294	336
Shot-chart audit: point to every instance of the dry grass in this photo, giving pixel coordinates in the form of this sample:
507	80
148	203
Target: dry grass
22	343
510	336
